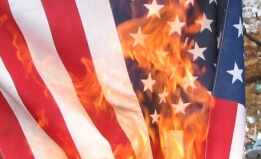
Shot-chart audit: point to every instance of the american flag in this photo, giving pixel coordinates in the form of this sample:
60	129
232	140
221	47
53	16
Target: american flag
84	79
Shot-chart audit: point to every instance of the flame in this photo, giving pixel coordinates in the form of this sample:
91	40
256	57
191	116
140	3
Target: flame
162	52
165	52
42	120
87	87
22	52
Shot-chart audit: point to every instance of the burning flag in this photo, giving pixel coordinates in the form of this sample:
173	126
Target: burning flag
121	79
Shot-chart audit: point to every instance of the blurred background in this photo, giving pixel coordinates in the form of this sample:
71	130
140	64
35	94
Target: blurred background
252	24
252	45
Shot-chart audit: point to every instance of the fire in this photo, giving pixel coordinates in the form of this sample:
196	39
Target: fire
42	121
159	46
87	87
22	52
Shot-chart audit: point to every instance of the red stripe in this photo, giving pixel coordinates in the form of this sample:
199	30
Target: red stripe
222	121
12	140
30	86
71	44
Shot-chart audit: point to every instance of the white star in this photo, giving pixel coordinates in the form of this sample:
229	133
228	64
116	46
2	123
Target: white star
189	1
205	23
219	40
236	73
139	38
161	54
153	8
189	82
239	26
148	83
176	26
163	96
155	117
180	107
197	52
210	1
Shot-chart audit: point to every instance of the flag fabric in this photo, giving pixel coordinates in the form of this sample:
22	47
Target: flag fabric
85	79
229	88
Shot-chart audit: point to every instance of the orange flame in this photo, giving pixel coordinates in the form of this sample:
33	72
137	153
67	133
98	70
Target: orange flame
87	87
42	121
159	50
22	52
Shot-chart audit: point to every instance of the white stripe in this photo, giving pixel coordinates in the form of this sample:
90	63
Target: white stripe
237	146
42	146
33	23
112	74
